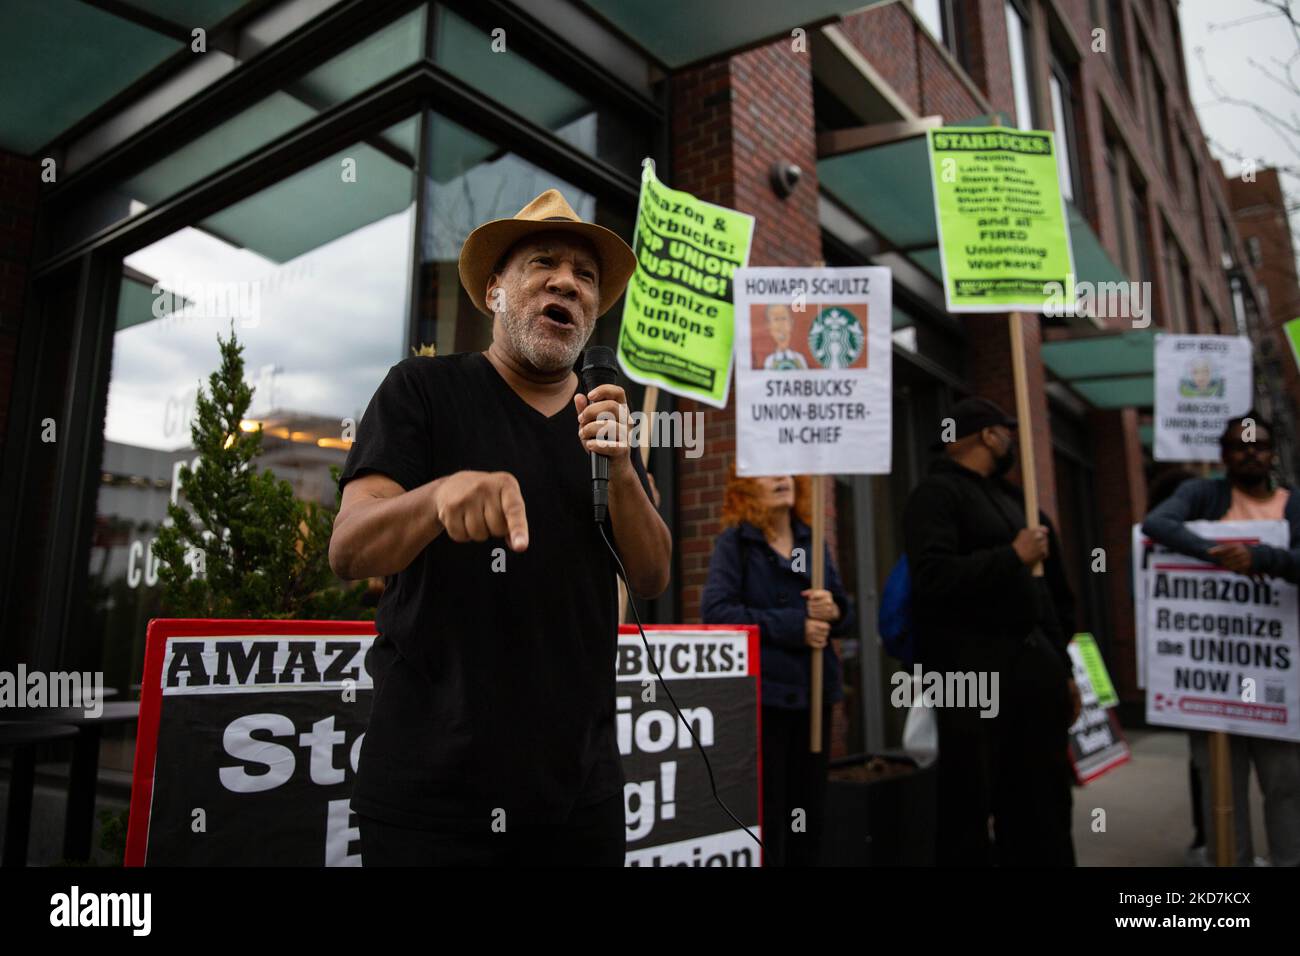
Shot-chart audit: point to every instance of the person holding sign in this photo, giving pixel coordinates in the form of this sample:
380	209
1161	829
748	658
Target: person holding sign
978	610
760	574
1247	493
492	738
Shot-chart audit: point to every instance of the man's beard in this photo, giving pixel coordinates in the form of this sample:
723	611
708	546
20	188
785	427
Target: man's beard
534	344
1250	479
1004	462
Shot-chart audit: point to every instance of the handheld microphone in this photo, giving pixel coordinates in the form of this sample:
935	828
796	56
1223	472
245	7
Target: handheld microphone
599	368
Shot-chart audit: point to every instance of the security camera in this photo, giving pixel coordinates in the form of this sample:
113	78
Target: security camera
784	177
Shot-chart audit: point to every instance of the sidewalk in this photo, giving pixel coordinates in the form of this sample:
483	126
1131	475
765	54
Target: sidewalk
1148	807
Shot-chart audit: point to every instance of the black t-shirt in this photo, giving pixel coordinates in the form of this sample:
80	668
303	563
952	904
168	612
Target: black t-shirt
492	688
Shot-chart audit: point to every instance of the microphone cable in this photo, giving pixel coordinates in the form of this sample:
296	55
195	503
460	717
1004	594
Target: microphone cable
664	684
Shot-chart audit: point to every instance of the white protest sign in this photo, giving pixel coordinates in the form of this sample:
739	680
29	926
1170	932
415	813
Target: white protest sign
1222	648
1140	552
813	371
1201	382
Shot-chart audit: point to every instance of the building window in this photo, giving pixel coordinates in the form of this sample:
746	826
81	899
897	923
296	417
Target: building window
1226	257
1117	42
1154	95
1254	252
314	275
1177	284
1067	157
1018	44
943	18
1141	226
1114	157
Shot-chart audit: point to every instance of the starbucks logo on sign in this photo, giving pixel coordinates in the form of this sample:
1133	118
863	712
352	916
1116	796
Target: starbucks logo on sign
835	338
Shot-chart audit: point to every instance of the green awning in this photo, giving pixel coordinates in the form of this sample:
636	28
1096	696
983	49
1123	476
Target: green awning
136	300
678	32
62	59
1108	370
309	209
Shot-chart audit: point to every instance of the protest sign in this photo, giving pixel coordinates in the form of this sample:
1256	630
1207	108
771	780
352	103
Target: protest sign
251	733
1089	654
677	314
672	818
1201	382
1140	552
813	371
1096	740
249	738
1221	647
1003	241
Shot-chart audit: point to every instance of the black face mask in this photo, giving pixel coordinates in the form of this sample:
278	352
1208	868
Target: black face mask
1004	462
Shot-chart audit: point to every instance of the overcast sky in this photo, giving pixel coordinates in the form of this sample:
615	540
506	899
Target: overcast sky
1231	34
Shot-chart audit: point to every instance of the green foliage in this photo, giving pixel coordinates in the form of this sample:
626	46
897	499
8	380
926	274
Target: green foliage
112	834
264	553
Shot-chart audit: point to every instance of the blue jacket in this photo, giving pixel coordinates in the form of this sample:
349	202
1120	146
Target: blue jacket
1208	499
749	583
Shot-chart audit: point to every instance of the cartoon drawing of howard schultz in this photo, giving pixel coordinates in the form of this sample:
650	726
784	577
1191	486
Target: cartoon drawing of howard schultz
780	325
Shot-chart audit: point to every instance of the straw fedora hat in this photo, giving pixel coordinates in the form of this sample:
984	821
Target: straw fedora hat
549	212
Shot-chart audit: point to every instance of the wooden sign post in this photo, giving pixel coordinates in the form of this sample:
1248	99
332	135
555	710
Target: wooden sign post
1020	380
1221	797
818	567
647	426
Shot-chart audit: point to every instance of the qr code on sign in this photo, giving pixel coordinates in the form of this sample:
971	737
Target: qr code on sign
1275	695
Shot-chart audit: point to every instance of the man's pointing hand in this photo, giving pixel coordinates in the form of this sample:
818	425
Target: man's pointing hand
477	505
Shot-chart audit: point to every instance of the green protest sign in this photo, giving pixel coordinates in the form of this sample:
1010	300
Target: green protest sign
1003	239
1292	330
1096	668
677	316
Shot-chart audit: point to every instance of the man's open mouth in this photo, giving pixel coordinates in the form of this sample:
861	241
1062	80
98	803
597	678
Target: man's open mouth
559	315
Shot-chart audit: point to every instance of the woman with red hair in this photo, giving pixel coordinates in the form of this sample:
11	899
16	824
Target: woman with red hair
761	573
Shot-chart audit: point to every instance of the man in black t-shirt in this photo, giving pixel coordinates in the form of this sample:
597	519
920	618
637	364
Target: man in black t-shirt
491	737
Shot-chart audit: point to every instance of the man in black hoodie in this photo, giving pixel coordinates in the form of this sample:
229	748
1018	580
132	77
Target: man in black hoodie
978	608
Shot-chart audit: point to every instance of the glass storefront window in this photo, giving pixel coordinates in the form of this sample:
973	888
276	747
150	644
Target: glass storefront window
537	96
315	274
375	58
470	181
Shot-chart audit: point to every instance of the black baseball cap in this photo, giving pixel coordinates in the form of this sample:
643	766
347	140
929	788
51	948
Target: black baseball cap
973	414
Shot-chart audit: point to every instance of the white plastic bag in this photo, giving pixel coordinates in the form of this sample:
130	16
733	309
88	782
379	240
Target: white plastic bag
920	731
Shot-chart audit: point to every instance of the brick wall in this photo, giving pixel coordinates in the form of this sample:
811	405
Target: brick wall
731	120
886	36
1121	492
988	364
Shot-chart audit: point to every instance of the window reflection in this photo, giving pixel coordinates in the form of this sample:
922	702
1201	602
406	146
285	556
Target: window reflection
314	274
471	181
375	58
534	94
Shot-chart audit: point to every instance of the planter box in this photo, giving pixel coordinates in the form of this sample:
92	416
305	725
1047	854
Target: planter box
881	819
